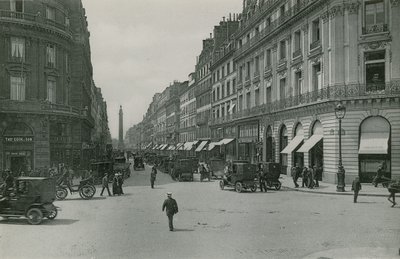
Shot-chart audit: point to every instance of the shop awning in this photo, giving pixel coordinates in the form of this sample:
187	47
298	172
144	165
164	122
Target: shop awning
179	146
161	147
201	146
189	145
171	147
225	141
310	143
148	146
231	108
292	145
165	147
212	145
374	143
155	146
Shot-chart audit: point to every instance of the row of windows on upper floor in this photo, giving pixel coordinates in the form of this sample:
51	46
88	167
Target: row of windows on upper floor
18	9
375	13
18	53
204	71
226	89
223	71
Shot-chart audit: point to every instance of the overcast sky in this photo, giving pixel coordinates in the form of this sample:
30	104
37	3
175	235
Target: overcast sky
139	47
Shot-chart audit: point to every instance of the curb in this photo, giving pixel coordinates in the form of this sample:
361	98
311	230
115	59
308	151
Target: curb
336	193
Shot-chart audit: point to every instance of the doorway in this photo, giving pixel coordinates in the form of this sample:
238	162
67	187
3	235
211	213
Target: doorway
18	164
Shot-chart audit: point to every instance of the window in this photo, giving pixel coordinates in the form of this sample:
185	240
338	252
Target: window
51	90
248	71
282	11
317	76
268	58
223	90
268	22
282	47
241	74
297	83
66	62
257	65
217	93
268	94
228	68
248	101
374	13
375	71
297	42
315	31
50	13
18	48
17	92
67	91
17	7
240	102
228	88
223	111
257	97
282	88
223	71
51	55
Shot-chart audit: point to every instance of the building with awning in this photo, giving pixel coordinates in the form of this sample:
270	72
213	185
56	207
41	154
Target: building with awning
225	141
293	144
190	145
179	146
310	143
374	143
212	145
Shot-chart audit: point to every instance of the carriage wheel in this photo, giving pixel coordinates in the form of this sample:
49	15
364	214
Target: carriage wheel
61	193
278	186
52	214
238	187
221	185
253	188
87	192
34	216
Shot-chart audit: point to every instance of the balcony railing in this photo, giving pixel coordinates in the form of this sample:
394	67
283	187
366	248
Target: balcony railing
37	106
297	53
376	28
315	44
330	93
10	16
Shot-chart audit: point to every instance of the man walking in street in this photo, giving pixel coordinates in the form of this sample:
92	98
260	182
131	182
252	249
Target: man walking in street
104	182
356	187
171	208
296	171
153	175
261	178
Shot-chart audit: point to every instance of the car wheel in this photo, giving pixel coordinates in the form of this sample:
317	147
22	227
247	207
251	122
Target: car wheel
61	193
221	185
34	216
253	188
52	214
278	186
238	187
86	192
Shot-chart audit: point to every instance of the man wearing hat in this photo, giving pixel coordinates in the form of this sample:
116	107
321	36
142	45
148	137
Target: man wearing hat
171	208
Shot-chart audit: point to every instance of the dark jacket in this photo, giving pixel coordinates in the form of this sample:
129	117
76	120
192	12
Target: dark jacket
171	206
356	186
104	181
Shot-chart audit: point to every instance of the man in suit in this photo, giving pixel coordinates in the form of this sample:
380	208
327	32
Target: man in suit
104	182
171	208
153	175
356	187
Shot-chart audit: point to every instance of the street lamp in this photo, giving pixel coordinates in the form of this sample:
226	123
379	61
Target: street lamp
340	112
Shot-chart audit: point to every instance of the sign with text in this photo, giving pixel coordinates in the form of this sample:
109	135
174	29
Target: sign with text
18	139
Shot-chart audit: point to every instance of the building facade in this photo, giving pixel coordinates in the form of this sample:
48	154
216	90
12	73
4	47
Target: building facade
187	120
47	93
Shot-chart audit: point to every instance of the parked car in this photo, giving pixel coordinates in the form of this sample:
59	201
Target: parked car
182	169
272	172
217	167
32	198
241	176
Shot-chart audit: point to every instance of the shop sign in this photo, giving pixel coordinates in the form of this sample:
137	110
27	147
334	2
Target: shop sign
18	139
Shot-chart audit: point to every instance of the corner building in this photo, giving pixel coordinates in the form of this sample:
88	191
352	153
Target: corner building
297	59
46	87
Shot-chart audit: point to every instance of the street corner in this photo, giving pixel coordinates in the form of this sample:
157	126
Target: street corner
357	252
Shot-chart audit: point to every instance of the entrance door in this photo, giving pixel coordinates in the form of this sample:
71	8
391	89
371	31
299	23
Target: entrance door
17	165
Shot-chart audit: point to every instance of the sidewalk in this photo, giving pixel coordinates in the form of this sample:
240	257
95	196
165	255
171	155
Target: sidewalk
328	188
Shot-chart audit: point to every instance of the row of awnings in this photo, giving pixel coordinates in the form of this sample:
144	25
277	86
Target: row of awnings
198	146
370	143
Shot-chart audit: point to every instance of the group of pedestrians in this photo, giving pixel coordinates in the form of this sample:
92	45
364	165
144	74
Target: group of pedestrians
310	176
117	183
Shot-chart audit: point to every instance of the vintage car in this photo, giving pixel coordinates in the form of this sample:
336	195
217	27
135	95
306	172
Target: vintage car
99	169
182	169
272	172
217	167
241	176
138	163
32	198
85	188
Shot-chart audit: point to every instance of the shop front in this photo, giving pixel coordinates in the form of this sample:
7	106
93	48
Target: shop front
247	142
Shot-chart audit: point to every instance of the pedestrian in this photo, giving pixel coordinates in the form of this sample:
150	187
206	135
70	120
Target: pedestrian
296	171
393	188
171	208
304	175
104	182
120	182
261	178
115	190
311	175
153	176
318	175
356	187
8	183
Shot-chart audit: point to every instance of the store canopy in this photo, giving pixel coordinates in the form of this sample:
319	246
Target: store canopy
189	145
148	146
165	147
171	147
225	141
155	146
293	144
201	146
310	143
179	146
374	143
212	145
161	147
231	108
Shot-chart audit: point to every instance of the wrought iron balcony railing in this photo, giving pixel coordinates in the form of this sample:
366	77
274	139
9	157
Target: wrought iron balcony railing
376	28
315	44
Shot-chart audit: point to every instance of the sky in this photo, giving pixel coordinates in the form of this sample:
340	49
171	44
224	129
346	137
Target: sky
139	47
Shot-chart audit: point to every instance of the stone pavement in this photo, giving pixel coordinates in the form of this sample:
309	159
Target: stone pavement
367	189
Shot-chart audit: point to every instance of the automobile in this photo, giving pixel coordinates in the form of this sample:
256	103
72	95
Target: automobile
101	168
138	163
32	198
241	176
272	172
85	188
182	169
217	167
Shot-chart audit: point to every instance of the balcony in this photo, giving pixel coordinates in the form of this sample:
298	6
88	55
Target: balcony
297	53
12	106
35	21
331	93
256	77
315	44
376	28
268	71
239	85
247	81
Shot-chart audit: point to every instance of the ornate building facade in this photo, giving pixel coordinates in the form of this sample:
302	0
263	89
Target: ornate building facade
47	95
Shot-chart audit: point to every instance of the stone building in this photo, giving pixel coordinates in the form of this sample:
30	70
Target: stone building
47	93
187	127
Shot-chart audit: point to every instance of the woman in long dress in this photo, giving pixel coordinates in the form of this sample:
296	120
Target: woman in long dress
115	185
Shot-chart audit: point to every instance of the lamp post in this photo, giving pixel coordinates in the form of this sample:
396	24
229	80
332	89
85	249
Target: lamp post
340	112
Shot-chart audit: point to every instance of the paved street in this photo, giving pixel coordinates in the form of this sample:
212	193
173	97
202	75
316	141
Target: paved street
210	224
